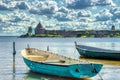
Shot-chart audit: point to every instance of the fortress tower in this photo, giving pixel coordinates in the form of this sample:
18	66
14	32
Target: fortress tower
39	29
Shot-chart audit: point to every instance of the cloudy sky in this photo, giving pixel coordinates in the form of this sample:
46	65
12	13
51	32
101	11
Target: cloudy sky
17	15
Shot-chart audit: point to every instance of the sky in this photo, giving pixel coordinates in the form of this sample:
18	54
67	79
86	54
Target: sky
17	15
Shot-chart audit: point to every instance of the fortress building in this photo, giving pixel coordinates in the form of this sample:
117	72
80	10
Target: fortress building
40	30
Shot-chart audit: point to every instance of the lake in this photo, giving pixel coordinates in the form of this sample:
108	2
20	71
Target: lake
63	46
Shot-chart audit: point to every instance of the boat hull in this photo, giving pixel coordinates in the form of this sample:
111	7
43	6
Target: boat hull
73	71
98	54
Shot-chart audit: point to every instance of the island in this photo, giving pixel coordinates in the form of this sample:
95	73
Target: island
40	31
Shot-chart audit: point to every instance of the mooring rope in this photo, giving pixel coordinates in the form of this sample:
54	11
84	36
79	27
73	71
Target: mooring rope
78	61
95	70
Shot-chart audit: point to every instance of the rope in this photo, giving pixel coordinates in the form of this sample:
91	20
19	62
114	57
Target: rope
78	70
94	69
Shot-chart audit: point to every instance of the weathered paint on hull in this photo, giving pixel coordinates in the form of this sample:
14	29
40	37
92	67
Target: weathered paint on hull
102	55
73	71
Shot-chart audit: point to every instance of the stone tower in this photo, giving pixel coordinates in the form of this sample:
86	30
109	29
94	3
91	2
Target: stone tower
39	29
113	28
29	30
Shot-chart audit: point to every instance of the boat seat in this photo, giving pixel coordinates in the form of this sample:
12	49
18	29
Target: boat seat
37	58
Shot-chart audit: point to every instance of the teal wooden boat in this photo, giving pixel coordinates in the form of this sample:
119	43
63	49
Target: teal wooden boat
53	64
93	52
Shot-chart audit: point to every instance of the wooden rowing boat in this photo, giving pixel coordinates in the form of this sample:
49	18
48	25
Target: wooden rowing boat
93	52
53	64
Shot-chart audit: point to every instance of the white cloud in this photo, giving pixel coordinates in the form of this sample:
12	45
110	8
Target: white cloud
17	22
61	16
85	19
13	4
16	16
22	5
71	15
65	14
112	14
77	4
116	12
84	13
105	2
3	6
47	7
64	10
104	15
34	10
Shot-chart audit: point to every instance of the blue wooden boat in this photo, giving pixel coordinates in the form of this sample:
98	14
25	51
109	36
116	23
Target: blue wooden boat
53	64
93	52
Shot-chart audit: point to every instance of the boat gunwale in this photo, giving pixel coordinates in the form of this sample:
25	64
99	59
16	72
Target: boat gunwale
43	62
47	63
111	51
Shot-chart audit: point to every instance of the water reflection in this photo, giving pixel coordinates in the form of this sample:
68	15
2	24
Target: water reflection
13	76
37	76
103	61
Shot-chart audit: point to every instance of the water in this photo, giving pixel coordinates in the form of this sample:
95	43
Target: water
63	46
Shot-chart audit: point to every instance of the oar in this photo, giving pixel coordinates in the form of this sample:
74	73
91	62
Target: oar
55	61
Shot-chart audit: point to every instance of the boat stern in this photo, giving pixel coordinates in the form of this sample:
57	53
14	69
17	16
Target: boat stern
85	70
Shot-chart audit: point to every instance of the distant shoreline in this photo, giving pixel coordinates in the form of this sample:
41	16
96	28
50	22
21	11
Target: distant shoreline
79	34
58	37
9	36
40	31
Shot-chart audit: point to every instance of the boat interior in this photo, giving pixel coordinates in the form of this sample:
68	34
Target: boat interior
48	57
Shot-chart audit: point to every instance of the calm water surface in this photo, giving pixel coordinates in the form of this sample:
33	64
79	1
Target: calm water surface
63	46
